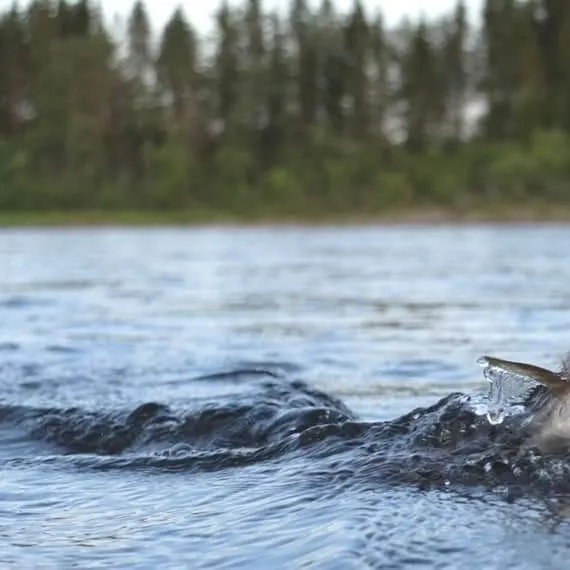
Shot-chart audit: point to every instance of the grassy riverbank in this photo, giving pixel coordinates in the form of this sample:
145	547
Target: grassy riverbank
499	213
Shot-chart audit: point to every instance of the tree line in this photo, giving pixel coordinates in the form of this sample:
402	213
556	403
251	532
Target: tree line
292	112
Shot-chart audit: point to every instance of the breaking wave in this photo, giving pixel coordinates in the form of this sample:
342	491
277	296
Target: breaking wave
282	418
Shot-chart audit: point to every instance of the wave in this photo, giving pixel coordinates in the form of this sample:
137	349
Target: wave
283	420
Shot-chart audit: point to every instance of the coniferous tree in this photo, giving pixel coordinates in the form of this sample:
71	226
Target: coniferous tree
502	65
333	67
82	18
297	109
139	49
455	62
226	67
13	73
43	30
176	64
64	17
357	53
254	68
530	102
421	90
563	55
379	78
278	76
306	68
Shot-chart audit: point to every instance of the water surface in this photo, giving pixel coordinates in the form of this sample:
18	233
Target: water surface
99	322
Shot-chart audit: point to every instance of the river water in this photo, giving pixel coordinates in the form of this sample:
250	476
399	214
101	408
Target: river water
197	397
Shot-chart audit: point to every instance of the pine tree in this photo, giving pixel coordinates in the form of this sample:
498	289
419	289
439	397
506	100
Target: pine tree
501	30
531	105
43	29
333	66
13	73
379	81
227	66
139	50
456	71
305	71
278	75
254	66
82	15
176	64
421	90
563	54
356	38
274	133
64	18
552	29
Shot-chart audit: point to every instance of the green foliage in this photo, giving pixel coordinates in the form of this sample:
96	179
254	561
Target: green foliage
318	113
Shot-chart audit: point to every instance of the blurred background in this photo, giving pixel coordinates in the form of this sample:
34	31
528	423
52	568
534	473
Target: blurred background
297	110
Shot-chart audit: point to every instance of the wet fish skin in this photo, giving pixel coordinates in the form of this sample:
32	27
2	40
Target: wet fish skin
549	405
554	380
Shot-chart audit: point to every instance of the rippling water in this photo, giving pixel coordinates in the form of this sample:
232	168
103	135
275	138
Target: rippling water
129	440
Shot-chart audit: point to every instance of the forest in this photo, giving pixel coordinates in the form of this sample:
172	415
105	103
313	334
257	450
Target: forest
305	112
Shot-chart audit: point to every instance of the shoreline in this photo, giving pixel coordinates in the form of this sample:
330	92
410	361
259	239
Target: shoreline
412	216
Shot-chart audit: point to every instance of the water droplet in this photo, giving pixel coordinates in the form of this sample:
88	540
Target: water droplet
495	417
507	390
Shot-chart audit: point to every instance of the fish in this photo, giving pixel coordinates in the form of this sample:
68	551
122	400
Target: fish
544	394
553	380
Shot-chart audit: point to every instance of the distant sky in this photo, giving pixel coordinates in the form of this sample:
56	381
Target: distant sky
200	12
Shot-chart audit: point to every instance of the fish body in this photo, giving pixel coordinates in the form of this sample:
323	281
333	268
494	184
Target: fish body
547	399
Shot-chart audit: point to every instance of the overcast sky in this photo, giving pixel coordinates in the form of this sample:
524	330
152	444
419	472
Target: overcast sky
200	12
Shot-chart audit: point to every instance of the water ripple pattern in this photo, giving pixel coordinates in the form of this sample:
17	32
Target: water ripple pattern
274	397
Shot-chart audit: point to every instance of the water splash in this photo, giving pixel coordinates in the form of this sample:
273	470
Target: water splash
508	389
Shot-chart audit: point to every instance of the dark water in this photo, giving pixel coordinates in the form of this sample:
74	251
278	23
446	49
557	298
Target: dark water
275	397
